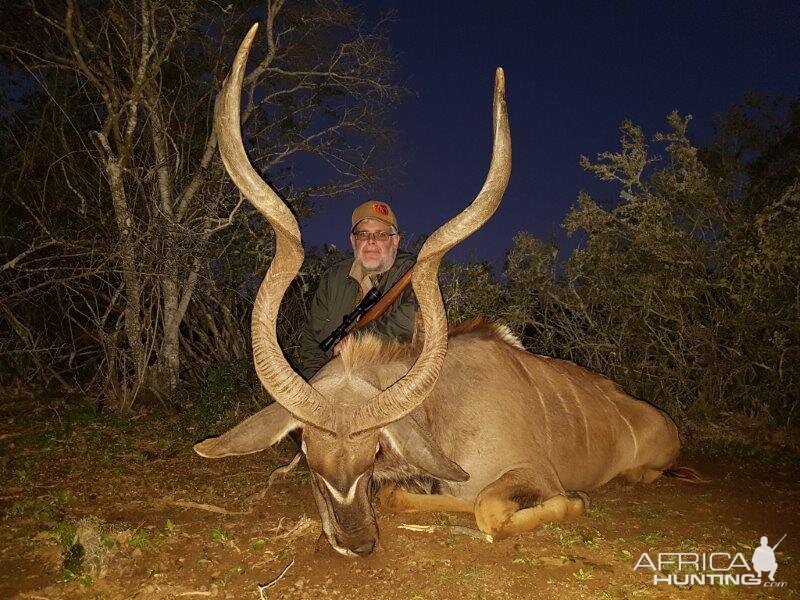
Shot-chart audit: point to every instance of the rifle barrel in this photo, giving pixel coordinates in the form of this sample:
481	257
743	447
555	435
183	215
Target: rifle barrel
779	542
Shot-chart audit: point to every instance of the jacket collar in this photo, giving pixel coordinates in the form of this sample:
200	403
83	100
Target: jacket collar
365	280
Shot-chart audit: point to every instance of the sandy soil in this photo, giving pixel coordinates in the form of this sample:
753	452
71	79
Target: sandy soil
142	506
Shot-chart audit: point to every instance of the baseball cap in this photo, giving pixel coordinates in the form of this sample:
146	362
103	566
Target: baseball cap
374	209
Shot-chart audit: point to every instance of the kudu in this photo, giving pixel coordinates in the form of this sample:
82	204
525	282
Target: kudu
470	422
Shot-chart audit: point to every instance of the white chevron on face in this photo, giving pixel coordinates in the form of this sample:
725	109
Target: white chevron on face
337	495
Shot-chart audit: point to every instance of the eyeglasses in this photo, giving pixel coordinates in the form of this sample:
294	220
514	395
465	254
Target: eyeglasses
378	236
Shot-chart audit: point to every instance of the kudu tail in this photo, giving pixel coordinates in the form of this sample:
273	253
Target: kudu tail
686	474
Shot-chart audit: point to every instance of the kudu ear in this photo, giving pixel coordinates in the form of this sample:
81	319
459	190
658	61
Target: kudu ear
412	441
254	434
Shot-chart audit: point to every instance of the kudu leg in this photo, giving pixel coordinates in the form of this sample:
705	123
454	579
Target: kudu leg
397	499
513	504
557	508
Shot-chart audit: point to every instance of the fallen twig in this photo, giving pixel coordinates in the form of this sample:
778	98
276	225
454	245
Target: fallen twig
208	507
262	588
274	475
303	524
473	533
284	469
195	594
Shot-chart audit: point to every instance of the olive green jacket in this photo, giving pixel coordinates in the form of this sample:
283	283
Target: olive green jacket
338	294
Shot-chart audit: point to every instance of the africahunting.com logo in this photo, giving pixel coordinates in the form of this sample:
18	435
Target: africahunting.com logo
713	568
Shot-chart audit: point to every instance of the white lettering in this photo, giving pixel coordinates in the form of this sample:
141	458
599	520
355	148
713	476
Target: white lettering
688	560
712	568
665	562
740	562
658	578
712	560
645	557
689	579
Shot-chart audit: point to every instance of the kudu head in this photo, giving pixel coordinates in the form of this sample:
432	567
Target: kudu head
348	414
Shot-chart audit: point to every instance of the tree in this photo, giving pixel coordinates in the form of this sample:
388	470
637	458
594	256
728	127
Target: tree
122	220
687	288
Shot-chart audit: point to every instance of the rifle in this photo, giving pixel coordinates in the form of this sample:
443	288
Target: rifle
779	542
372	306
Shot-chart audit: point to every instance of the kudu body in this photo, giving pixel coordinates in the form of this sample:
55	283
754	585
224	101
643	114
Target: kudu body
470	422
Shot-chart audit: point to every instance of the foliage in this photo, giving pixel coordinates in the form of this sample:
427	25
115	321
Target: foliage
686	290
226	392
230	392
133	263
690	282
131	257
469	290
219	535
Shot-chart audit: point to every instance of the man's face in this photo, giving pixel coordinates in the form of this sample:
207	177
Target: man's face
373	255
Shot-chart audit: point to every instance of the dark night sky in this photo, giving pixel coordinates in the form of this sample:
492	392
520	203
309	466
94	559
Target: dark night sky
573	72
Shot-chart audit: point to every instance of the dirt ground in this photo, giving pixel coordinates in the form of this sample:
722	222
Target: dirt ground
96	507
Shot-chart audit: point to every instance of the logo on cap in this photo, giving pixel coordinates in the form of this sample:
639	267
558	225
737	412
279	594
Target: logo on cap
381	209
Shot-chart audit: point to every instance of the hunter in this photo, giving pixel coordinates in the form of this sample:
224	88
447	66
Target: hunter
376	262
